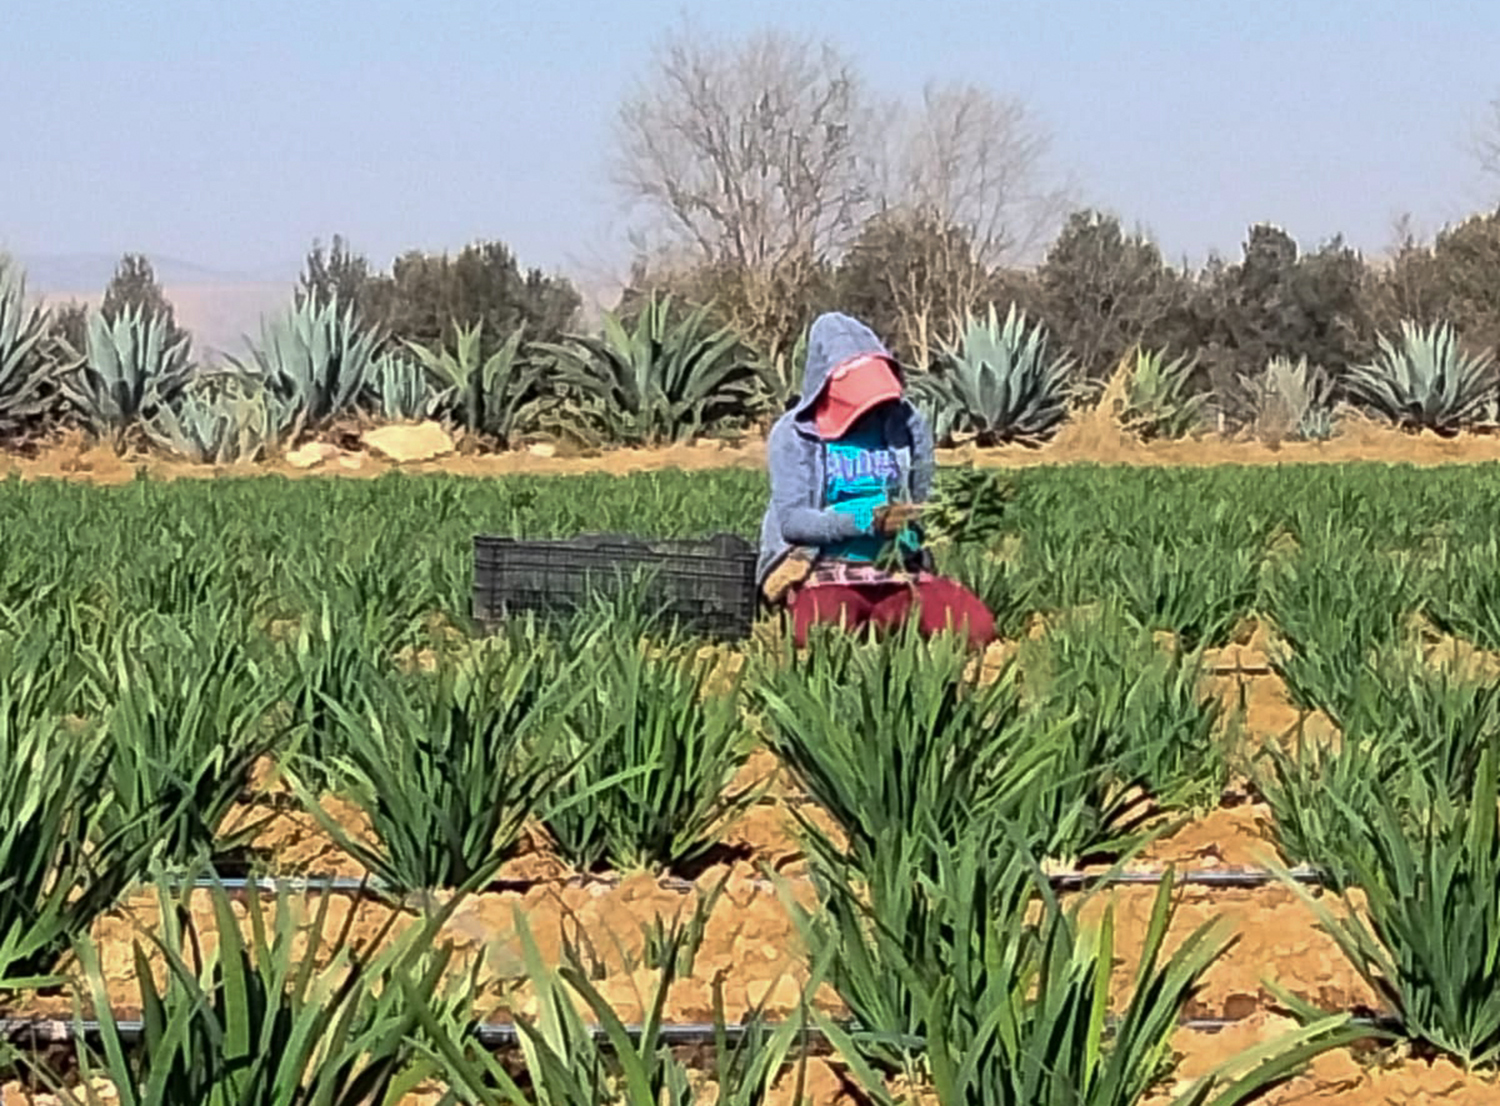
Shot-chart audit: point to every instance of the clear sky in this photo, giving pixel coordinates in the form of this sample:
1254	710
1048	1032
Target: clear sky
229	133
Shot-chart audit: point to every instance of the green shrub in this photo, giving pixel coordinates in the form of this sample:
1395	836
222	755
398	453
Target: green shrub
62	863
1200	592
257	1019
965	967
566	1064
1464	599
888	736
1004	584
1335	603
187	718
322	665
1409	727
1134	707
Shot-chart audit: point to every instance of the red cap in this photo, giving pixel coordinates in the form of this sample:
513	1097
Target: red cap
852	388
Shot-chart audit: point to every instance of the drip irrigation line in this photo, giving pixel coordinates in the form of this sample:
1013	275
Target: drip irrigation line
1202	877
1061	881
501	1035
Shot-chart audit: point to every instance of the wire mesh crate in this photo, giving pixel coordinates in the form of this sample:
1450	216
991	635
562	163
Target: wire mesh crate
706	585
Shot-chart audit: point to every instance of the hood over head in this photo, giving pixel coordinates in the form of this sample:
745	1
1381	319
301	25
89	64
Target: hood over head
834	339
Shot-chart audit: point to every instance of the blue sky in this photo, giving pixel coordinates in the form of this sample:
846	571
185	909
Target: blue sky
231	133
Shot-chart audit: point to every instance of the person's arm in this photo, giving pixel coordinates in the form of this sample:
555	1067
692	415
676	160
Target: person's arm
923	457
792	493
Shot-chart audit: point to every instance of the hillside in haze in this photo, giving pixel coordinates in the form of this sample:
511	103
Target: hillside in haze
217	307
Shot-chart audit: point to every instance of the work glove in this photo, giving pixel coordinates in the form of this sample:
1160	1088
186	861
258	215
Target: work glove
891	519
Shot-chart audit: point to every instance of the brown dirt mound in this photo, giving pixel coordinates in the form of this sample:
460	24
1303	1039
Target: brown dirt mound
1088	438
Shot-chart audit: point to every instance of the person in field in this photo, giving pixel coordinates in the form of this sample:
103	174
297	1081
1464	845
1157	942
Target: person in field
850	465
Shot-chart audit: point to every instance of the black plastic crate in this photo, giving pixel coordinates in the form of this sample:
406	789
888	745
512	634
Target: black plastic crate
707	585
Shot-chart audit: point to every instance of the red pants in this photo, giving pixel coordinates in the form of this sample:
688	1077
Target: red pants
939	605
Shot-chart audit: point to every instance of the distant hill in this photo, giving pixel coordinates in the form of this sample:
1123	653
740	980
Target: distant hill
218	316
52	273
217	307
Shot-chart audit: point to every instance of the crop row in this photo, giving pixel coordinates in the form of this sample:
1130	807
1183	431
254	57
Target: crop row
944	792
622	750
1188	552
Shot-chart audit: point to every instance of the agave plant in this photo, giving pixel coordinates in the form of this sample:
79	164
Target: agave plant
60	866
315	361
957	960
567	1064
660	382
1292	398
25	373
128	373
782	374
495	396
997	384
658	746
1426	381
291	1015
1428	938
400	389
448	765
219	419
1158	402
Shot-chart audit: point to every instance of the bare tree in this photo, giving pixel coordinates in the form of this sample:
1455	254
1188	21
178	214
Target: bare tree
764	162
1487	141
968	158
965	189
753	153
915	279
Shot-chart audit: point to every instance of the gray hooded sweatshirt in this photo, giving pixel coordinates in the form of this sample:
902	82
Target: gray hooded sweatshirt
795	453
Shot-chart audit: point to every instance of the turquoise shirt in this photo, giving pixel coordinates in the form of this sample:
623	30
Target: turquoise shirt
862	475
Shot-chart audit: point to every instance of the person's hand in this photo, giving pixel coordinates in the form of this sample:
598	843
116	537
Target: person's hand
891	519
